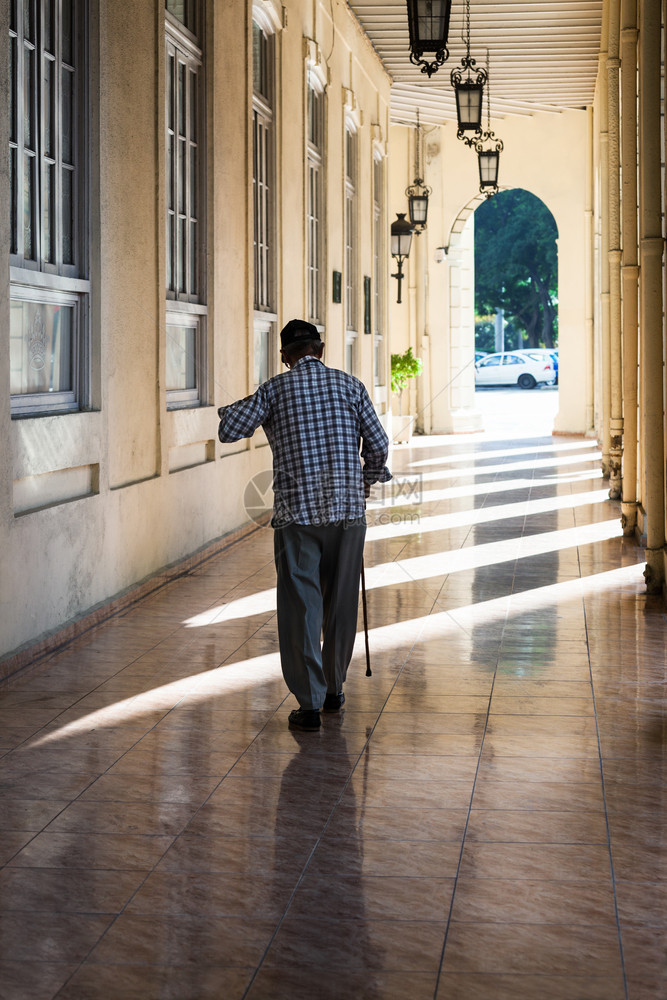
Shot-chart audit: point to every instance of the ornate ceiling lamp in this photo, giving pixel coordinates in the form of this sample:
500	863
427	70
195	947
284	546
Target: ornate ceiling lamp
488	149
468	83
428	21
418	193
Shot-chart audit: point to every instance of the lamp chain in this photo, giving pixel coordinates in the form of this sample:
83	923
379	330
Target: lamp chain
488	94
418	149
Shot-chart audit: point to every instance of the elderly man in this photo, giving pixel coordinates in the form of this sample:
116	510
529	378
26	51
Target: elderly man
315	419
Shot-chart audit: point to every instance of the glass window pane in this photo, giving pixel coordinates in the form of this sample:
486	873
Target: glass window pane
12	188
193	105
48	222
12	90
261	355
181	254
170	172
40	347
170	92
177	8
193	257
181	357
193	182
170	252
66	32
181	176
49	117
48	26
67	217
185	11
311	116
28	206
67	118
257	36
181	99
28	96
29	20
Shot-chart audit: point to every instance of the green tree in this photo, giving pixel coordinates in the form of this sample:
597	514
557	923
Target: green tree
516	264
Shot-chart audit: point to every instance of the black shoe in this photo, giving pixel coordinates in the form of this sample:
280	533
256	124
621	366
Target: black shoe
306	719
333	702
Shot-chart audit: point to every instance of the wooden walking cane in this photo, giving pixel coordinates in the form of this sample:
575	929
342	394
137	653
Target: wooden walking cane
369	672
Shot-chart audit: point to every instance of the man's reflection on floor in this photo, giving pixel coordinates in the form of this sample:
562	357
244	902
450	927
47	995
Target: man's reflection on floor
322	947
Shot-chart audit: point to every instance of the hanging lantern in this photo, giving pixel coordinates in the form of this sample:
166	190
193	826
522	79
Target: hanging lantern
489	164
488	149
428	22
468	83
418	193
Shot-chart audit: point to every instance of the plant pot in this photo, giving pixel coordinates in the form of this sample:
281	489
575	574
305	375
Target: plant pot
401	429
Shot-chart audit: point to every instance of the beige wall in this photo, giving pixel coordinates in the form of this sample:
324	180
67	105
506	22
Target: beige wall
91	503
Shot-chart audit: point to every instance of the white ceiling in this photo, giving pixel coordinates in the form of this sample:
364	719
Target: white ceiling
543	55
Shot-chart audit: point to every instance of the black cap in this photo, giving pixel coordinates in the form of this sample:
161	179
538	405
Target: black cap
298	330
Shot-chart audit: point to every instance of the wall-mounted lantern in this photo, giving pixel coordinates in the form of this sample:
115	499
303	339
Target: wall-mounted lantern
401	238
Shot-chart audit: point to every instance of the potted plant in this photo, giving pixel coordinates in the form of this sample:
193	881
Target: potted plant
404	367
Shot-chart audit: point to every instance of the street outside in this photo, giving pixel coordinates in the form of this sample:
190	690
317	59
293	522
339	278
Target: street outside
511	412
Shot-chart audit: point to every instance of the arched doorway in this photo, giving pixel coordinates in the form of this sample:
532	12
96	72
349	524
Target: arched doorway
516	303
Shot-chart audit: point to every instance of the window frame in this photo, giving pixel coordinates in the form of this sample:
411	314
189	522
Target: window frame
263	355
195	28
197	319
63	401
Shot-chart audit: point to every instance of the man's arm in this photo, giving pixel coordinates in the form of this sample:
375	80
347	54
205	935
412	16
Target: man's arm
241	419
375	446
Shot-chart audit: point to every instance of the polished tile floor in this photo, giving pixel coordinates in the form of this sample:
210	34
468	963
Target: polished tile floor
484	821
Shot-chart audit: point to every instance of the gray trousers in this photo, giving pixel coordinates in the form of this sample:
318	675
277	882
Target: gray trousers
318	569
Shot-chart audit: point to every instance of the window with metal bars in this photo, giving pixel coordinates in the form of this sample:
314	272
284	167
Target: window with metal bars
315	203
263	168
186	217
263	181
48	143
378	272
351	248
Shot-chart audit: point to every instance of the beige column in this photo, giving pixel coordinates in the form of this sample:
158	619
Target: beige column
614	254
605	426
630	269
650	290
590	272
424	409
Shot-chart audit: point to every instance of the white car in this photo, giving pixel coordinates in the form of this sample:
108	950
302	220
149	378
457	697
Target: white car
513	368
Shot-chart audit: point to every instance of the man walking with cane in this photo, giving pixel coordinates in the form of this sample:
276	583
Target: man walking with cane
315	419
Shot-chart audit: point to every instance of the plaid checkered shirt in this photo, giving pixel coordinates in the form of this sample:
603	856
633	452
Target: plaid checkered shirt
315	419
